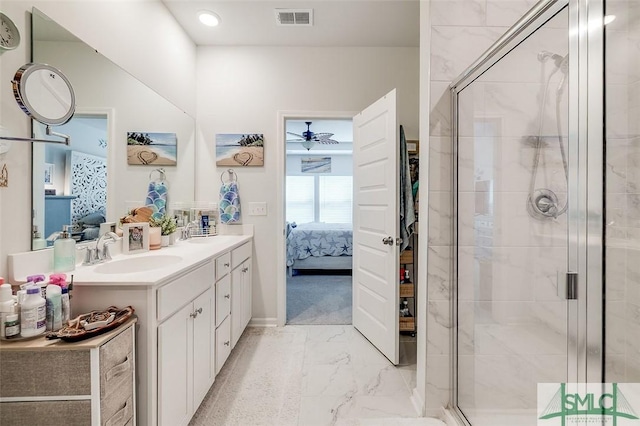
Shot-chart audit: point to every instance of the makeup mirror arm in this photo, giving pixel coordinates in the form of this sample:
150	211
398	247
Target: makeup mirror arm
66	141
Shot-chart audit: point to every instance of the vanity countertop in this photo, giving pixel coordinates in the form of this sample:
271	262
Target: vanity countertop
161	266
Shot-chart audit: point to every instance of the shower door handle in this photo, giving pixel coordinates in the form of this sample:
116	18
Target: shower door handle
568	285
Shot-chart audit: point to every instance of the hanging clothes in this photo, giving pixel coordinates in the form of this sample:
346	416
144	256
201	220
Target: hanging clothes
407	212
157	194
229	205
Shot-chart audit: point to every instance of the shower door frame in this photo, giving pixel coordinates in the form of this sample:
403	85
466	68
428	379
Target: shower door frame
585	223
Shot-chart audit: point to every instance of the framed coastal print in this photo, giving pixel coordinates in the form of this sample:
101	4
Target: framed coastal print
48	173
153	149
135	237
315	165
239	149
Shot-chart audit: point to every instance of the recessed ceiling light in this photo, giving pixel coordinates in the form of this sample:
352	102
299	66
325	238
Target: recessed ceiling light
208	18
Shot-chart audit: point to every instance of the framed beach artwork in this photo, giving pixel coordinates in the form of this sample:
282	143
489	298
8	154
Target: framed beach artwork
315	165
155	149
48	173
246	149
135	237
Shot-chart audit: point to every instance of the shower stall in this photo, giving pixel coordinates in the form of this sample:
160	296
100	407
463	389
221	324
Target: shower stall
546	235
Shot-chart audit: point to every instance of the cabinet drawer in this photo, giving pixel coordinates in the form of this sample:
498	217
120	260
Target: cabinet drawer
223	299
223	265
223	343
116	362
183	290
240	254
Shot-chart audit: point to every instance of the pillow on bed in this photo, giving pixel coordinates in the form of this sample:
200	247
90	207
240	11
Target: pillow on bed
94	219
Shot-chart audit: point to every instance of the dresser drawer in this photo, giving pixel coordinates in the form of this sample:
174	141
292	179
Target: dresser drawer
68	413
223	343
223	265
117	411
240	254
116	362
184	289
223	299
71	375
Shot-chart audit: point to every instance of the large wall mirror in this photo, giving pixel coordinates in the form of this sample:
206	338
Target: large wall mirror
98	177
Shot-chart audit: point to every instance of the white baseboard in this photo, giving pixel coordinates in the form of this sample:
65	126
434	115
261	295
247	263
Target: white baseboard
263	322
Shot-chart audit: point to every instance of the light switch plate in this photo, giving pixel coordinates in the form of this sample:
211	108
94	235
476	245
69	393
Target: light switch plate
258	208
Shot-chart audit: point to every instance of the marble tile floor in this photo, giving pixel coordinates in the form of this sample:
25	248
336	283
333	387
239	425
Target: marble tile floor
309	375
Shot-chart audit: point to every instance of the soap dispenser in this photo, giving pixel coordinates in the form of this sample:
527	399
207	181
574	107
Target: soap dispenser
64	252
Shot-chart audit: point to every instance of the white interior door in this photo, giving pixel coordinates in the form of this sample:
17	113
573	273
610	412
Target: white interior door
376	225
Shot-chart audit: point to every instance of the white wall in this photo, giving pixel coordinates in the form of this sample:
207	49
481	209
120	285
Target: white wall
157	51
241	90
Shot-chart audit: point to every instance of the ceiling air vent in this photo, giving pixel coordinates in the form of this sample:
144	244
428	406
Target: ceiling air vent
294	17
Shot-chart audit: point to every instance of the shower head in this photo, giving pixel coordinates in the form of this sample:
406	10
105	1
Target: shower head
561	62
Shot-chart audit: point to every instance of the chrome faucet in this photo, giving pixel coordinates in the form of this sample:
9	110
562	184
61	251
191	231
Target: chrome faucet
106	239
100	251
186	231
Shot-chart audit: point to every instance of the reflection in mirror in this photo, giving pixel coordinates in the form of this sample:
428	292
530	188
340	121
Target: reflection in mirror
90	181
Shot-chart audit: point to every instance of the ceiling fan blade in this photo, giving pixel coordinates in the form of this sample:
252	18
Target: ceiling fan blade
296	135
328	141
323	135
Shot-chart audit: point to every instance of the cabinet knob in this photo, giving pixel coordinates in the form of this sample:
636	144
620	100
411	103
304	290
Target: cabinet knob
227	343
245	269
227	296
226	264
195	313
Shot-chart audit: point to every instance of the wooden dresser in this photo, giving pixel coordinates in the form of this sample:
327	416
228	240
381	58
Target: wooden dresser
54	382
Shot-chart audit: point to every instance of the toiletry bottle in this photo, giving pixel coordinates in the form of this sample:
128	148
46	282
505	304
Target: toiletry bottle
54	307
37	241
6	306
38	281
11	326
66	306
64	252
33	313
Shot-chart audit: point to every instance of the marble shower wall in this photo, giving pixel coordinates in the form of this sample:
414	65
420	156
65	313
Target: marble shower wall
622	262
510	298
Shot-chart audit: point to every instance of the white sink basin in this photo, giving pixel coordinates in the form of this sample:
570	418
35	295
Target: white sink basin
137	264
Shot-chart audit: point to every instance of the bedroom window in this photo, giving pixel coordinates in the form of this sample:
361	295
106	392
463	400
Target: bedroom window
300	199
319	199
335	198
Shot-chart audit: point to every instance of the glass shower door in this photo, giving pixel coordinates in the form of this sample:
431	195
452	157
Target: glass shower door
512	227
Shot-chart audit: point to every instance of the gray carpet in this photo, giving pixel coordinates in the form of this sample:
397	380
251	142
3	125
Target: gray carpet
319	299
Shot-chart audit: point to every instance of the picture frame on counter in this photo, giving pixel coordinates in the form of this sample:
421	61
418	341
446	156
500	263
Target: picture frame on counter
135	237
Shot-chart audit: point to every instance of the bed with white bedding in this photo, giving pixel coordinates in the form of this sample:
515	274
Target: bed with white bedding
319	245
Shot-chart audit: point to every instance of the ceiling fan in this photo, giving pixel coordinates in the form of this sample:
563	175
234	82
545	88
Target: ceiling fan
309	138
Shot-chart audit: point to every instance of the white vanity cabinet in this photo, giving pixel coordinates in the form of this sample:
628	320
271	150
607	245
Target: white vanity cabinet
240	291
185	346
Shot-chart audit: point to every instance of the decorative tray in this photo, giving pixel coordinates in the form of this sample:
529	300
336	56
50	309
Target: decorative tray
92	324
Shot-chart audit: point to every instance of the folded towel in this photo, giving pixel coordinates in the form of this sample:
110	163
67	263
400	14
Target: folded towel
157	198
229	206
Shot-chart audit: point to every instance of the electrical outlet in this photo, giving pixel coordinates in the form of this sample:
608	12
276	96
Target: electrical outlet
258	209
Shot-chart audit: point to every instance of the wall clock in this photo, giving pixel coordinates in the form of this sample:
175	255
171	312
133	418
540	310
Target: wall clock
9	34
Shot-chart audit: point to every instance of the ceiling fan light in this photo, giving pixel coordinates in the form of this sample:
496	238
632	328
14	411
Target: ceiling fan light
308	144
208	18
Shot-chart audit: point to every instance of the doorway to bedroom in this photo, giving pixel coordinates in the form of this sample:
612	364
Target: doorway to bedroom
318	211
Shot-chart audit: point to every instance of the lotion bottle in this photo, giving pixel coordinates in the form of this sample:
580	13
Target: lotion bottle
33	313
64	252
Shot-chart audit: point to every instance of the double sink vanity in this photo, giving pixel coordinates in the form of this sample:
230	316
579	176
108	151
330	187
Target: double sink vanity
192	301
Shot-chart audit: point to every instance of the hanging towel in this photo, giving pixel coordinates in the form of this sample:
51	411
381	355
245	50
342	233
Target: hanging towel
229	206
407	212
157	198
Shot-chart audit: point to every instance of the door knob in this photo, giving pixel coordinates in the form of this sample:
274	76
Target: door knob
388	241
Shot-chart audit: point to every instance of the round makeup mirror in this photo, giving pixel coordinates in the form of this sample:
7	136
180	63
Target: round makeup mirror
44	94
